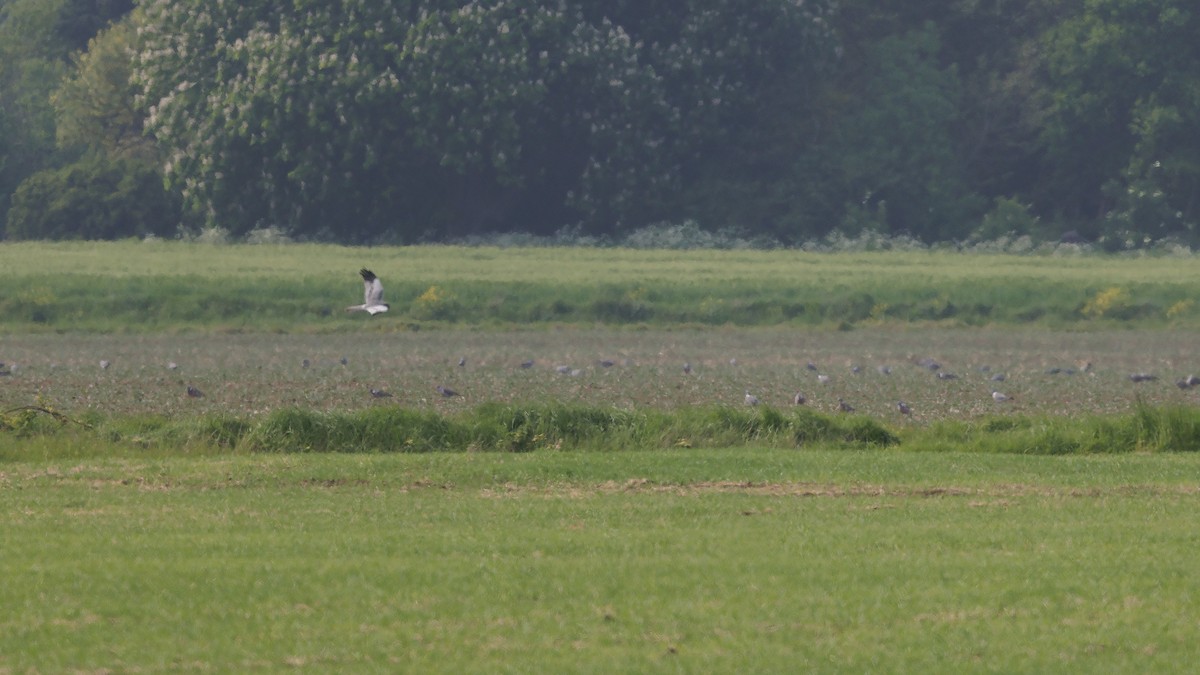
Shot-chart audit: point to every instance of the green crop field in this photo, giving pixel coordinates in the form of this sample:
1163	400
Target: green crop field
128	287
600	509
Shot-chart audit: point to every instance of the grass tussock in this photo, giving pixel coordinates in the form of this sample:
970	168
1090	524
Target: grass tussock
496	427
490	427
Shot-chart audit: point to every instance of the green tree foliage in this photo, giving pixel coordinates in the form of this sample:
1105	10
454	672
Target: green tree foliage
402	120
1124	122
115	188
30	66
900	161
97	197
461	116
94	105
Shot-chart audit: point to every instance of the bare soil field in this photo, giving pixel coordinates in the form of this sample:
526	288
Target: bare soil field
1044	372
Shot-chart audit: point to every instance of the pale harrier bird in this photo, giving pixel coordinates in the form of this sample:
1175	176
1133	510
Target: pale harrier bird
372	295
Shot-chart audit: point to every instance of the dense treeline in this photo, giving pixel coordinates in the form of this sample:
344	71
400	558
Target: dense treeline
415	120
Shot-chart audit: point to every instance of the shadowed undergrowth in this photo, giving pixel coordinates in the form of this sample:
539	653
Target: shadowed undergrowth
525	428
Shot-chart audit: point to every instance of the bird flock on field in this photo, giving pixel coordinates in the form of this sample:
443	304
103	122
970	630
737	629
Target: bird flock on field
822	381
373	304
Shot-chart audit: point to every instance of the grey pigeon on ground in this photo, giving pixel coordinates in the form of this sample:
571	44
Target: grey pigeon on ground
903	408
751	399
193	392
446	391
845	407
380	393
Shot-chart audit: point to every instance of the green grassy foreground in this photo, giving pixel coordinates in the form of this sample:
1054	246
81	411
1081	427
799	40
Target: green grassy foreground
153	286
747	560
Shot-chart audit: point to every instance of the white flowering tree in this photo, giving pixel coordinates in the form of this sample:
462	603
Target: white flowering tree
366	118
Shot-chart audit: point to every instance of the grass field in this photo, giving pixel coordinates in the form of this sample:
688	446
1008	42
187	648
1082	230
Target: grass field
146	287
131	547
736	560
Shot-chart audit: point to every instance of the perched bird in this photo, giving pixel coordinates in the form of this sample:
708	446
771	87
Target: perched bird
372	295
1188	382
687	368
305	363
462	362
1142	377
565	370
380	393
344	361
605	363
823	379
943	375
845	407
104	364
903	408
733	362
751	399
884	370
929	363
172	365
799	399
811	366
527	364
998	377
1000	398
447	392
193	392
